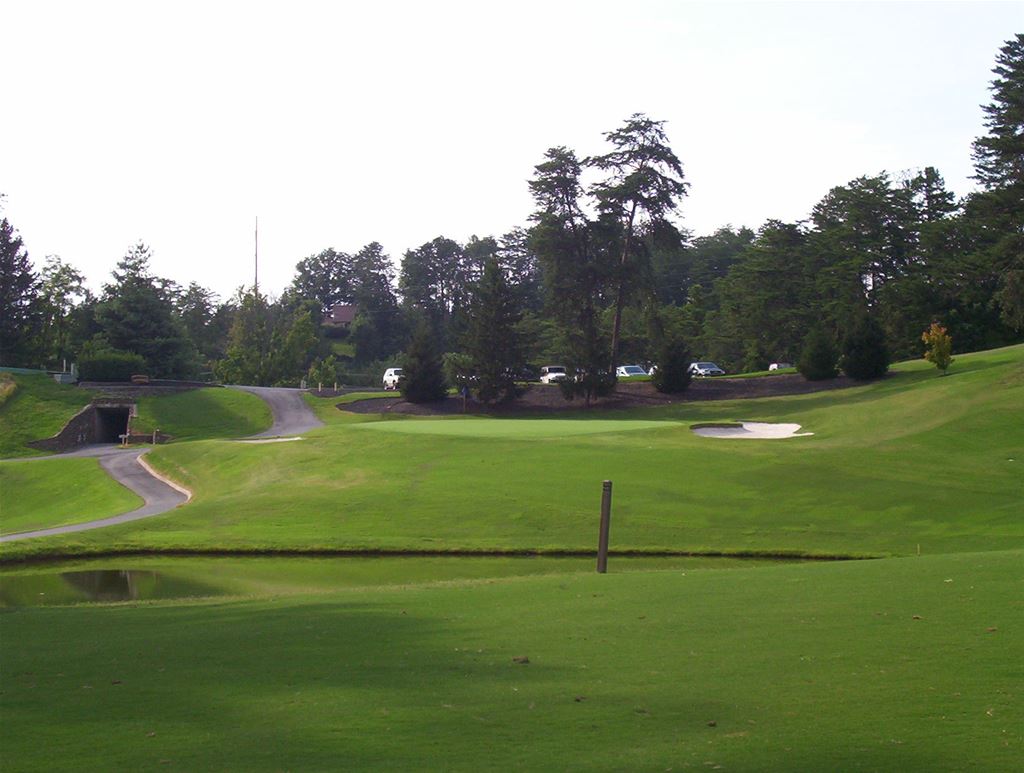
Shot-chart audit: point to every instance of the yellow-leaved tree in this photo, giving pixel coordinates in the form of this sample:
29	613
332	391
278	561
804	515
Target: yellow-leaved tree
939	347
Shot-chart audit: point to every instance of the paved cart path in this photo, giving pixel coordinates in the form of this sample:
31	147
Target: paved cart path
291	414
124	465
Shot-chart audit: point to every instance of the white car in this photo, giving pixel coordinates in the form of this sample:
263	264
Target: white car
780	366
550	374
392	377
705	369
628	371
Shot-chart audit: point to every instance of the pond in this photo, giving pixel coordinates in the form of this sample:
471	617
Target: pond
161	578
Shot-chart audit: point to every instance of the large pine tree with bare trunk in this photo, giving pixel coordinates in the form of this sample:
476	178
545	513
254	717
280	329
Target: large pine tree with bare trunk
642	190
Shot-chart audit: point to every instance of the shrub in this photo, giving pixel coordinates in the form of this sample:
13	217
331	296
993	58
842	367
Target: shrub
940	347
458	369
110	365
865	355
8	387
424	379
818	357
323	372
672	375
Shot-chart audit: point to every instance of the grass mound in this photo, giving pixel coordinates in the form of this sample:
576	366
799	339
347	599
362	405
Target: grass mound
204	413
56	492
37	407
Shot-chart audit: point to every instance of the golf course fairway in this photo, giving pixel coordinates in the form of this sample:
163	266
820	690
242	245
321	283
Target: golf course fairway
910	660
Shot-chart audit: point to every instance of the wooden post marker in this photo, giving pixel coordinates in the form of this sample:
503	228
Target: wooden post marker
606	517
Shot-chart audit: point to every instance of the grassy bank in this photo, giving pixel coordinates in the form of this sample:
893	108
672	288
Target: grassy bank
37	408
204	413
809	667
56	492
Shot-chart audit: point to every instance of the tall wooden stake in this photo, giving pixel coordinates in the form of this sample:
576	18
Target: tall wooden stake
606	518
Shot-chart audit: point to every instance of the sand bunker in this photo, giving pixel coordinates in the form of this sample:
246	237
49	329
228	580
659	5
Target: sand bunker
750	430
270	440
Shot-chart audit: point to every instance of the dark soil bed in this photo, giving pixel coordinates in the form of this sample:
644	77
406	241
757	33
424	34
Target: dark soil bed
541	398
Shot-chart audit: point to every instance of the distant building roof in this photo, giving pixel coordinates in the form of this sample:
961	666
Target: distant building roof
342	314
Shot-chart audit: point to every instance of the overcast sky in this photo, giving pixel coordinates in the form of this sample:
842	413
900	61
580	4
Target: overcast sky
342	123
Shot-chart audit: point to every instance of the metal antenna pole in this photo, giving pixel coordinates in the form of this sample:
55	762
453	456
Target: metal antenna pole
256	258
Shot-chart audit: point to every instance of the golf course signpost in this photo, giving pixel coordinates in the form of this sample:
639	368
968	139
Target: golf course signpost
606	517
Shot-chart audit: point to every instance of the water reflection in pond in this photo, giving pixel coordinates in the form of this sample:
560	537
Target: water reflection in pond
111	584
160	578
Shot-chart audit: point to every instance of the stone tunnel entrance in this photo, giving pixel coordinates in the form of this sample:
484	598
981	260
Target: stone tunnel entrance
111	423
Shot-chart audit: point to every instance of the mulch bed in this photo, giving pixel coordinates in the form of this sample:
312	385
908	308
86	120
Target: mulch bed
540	398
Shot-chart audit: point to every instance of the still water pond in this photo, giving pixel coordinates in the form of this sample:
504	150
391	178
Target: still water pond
116	580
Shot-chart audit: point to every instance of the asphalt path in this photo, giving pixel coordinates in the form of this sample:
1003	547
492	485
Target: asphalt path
124	466
291	414
291	417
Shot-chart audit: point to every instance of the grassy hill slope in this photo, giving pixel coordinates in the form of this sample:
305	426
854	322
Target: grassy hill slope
915	462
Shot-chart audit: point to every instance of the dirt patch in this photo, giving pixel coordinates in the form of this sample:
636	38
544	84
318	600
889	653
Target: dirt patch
541	398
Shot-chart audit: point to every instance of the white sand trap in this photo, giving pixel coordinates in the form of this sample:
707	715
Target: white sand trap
750	430
271	440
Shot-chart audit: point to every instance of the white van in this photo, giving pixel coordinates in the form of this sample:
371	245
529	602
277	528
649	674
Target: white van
392	377
549	374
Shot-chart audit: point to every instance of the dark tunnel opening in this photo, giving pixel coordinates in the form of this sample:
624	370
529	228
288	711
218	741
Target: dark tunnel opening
111	423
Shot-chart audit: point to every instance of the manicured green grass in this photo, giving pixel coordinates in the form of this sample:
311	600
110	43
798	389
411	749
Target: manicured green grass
326	407
182	577
907	664
38	409
916	462
55	492
204	413
521	429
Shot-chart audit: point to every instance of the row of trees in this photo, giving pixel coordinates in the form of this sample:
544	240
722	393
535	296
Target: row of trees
601	275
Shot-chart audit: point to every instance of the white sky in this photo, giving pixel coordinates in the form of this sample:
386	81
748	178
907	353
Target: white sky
342	123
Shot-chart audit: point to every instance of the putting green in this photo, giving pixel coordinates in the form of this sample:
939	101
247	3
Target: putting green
517	428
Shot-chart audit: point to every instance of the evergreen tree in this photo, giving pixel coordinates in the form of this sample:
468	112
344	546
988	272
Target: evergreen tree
999	155
999	166
672	375
422	370
818	357
135	315
643	188
19	301
379	329
864	352
492	339
577	266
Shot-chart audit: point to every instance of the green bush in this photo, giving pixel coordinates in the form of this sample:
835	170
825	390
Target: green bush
865	355
424	378
818	357
672	375
110	365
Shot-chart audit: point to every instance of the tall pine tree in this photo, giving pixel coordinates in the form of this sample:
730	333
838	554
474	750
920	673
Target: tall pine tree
492	338
19	300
